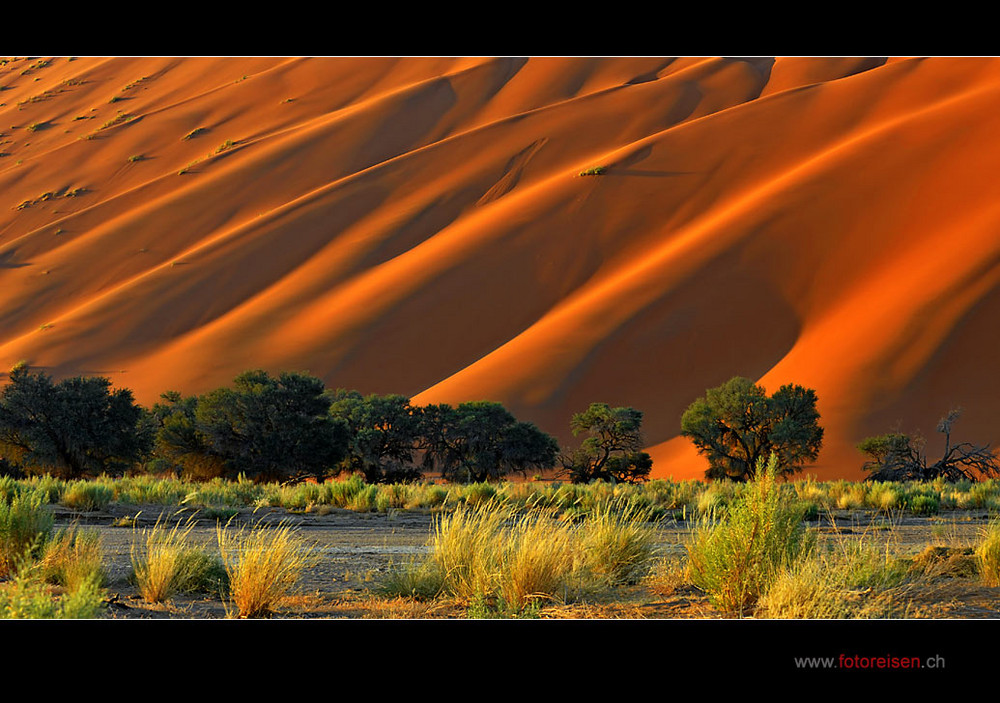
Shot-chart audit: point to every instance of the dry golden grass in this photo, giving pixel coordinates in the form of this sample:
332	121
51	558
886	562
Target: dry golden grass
536	562
158	560
618	543
263	564
73	557
988	554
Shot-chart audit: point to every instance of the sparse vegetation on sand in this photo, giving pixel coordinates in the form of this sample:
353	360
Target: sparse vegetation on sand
496	559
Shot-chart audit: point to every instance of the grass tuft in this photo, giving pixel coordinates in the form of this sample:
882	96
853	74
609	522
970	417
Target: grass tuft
162	561
988	554
263	565
72	558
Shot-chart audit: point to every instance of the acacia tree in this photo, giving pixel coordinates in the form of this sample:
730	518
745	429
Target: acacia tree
384	434
77	427
900	457
612	450
482	441
737	425
179	441
272	428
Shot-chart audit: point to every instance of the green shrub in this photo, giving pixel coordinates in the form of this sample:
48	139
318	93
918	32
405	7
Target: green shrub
924	505
25	526
736	559
476	493
28	598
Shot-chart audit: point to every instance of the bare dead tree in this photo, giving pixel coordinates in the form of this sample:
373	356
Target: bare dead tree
900	457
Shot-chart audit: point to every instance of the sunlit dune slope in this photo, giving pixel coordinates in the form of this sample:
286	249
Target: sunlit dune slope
420	226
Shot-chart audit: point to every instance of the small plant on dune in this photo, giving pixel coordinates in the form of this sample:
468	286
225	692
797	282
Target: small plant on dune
594	171
263	565
72	558
988	554
736	559
194	133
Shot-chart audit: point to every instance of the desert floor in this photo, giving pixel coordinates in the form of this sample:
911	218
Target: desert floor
358	549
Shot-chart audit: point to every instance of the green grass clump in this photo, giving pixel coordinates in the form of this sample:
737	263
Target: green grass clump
25	526
924	505
594	171
26	598
150	490
87	495
737	559
420	580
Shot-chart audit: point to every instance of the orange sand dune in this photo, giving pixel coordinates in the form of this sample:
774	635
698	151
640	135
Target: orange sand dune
419	225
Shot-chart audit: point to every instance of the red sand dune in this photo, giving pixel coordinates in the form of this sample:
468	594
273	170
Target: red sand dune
420	226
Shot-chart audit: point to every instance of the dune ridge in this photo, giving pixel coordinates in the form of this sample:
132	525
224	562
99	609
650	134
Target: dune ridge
420	226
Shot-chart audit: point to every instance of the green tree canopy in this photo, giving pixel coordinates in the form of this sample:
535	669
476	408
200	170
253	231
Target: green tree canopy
179	441
271	428
482	441
736	425
77	427
612	448
384	434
